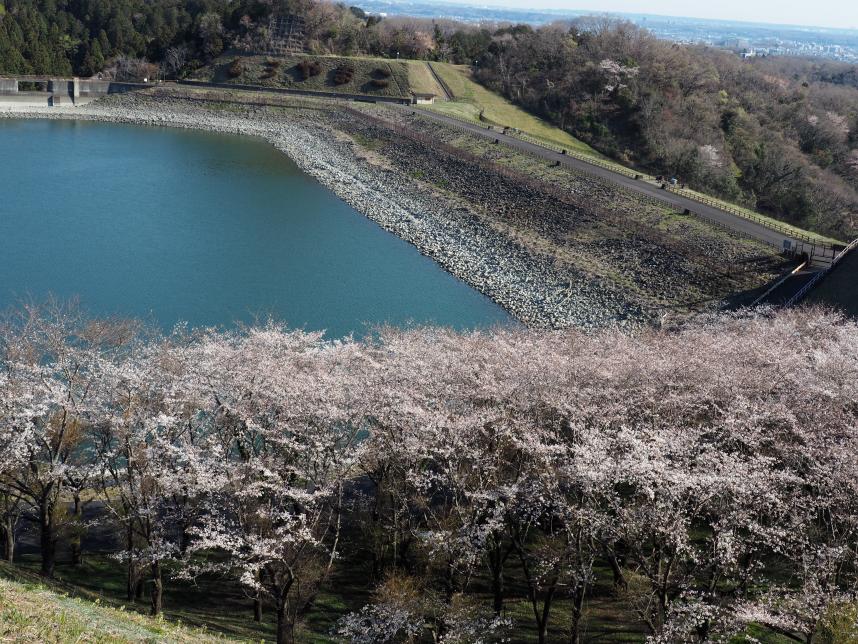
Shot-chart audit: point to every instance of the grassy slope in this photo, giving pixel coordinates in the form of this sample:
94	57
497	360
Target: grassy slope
287	76
31	612
213	602
471	99
421	79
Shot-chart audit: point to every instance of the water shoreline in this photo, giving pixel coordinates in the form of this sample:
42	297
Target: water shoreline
464	247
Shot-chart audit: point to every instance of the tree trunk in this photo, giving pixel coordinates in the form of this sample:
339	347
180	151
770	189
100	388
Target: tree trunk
8	531
546	612
577	610
280	590
157	588
283	631
496	567
130	579
76	550
619	578
543	632
48	541
257	609
131	572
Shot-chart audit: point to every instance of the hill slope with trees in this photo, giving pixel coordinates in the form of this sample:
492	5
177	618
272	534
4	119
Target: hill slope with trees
777	135
769	133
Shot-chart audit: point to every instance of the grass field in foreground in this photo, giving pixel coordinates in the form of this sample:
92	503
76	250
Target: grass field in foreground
32	612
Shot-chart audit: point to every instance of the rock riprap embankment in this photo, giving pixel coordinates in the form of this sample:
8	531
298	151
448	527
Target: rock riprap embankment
526	284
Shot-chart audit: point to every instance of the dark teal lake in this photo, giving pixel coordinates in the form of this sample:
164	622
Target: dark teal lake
210	229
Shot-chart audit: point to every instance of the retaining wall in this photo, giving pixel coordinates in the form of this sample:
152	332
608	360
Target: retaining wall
60	86
401	100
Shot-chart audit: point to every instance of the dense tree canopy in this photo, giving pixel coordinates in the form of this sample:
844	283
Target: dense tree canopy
708	474
778	134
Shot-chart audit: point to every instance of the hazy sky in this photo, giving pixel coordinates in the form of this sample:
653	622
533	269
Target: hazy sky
822	13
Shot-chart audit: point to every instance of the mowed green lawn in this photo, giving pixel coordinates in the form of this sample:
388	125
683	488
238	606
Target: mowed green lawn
421	79
472	99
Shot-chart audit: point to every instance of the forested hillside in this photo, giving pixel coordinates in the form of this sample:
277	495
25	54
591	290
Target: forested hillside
771	133
82	36
779	135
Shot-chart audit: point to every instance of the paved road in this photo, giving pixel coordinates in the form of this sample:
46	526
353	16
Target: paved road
729	220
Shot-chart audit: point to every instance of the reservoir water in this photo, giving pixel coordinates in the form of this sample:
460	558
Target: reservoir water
172	225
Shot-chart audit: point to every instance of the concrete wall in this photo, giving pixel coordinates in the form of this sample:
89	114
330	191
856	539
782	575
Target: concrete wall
25	99
93	87
8	86
59	86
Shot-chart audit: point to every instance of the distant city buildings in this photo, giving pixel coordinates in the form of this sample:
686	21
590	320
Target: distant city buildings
746	39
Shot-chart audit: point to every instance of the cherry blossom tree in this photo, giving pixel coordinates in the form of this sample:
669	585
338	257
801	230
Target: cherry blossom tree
285	421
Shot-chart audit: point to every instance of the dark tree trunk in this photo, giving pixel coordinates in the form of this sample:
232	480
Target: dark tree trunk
131	572
283	630
157	588
8	533
496	560
257	609
76	549
546	612
280	590
130	581
184	540
577	610
48	541
619	577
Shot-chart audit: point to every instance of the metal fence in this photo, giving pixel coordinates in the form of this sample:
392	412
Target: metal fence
821	274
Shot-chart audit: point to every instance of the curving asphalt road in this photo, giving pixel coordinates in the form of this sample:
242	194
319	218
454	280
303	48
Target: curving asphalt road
727	219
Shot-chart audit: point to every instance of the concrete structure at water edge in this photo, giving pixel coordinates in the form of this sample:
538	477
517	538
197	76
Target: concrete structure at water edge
44	90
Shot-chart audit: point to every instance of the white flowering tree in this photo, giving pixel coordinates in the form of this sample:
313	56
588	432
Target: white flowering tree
284	420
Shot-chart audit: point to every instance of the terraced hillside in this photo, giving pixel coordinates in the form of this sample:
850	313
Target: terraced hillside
374	77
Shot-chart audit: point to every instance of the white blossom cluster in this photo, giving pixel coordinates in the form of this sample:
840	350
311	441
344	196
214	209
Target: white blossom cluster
712	470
